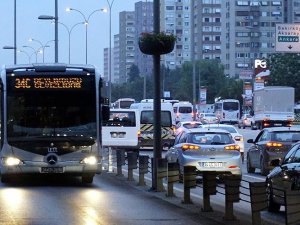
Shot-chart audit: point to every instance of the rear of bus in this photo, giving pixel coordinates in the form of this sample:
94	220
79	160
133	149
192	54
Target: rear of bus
183	111
228	111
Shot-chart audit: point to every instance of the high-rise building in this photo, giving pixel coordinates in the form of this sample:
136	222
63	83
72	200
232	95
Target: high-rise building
248	33
127	41
144	23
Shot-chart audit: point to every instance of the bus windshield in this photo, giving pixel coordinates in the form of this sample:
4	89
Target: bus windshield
48	113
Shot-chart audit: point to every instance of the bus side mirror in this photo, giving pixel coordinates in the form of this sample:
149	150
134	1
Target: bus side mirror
105	109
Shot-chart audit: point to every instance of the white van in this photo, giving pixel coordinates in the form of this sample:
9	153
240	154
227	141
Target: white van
121	131
183	111
147	123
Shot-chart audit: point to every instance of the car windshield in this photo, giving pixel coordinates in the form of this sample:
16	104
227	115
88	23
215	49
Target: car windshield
286	136
210	138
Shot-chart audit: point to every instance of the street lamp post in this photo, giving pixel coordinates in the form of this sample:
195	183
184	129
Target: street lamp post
55	18
43	46
86	22
26	53
34	51
69	30
110	4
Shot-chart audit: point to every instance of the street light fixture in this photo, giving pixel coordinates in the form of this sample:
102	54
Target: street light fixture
55	18
69	30
86	22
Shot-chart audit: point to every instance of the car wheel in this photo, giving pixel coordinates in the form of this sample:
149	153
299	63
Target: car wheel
263	169
250	169
272	206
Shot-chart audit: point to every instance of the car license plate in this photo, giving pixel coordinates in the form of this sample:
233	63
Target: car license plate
52	170
212	164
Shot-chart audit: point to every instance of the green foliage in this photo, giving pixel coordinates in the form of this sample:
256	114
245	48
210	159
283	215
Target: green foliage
180	83
285	71
162	36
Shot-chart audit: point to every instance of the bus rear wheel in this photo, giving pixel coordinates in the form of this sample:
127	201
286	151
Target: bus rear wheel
87	178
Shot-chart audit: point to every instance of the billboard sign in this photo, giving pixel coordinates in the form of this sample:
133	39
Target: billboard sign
287	38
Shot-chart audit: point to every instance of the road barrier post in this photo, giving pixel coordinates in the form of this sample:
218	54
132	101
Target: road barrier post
173	176
120	161
258	198
209	188
232	194
132	164
189	181
143	169
292	206
162	172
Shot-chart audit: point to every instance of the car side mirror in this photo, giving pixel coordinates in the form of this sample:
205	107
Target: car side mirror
250	141
275	162
105	109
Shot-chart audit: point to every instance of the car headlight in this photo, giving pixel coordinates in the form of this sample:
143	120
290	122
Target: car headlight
91	160
11	161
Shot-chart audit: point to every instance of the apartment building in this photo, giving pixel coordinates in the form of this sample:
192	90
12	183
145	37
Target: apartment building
143	23
234	31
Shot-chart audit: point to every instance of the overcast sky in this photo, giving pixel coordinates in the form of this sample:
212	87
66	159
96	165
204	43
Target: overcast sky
29	26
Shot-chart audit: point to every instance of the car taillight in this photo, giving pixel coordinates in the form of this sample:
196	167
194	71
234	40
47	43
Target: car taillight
232	147
190	147
139	134
274	144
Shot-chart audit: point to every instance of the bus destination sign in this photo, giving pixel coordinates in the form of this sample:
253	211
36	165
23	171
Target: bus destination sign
47	83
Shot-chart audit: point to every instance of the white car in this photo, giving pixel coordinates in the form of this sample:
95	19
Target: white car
239	138
180	126
208	118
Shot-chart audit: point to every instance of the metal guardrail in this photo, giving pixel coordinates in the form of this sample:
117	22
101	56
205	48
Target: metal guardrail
234	188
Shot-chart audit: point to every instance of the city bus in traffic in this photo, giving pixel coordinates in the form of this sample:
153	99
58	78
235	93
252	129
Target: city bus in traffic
227	110
50	120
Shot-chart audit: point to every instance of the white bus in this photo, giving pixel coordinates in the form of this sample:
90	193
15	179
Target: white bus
123	103
227	110
50	121
183	111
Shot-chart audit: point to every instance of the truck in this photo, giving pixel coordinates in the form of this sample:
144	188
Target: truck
273	106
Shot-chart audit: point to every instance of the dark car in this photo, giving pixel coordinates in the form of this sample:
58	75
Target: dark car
271	143
285	176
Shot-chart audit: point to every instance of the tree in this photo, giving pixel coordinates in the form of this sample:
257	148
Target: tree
134	73
285	71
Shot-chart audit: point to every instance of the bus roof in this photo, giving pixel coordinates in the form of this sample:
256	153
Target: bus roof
44	67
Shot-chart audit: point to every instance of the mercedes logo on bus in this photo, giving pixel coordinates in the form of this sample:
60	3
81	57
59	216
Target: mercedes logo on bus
52	159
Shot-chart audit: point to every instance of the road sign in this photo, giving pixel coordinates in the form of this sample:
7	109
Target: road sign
287	38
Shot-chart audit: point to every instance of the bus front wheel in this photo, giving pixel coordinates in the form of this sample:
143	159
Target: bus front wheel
87	178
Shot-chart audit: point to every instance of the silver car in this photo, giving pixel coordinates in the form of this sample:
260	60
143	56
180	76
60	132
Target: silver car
207	150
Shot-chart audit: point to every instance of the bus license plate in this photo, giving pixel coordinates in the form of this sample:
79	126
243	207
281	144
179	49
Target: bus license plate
212	164
52	170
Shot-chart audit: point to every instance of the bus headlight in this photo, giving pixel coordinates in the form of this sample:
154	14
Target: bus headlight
91	160
11	161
